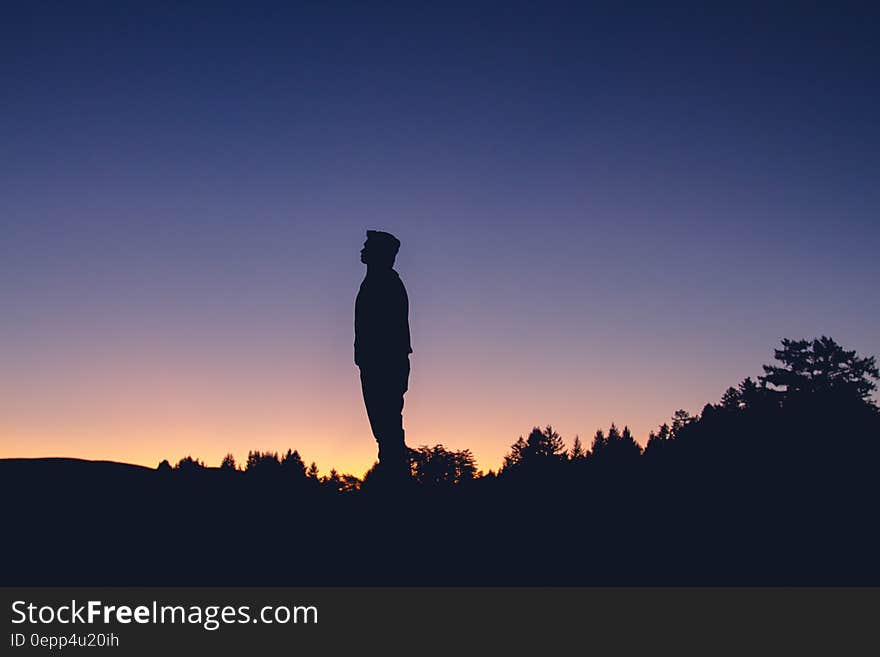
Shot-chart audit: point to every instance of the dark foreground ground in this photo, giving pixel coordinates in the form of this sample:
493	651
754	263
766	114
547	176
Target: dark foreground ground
69	522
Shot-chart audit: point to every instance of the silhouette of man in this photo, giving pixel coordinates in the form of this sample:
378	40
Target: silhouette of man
381	350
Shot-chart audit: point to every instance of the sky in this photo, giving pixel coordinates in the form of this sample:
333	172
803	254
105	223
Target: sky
607	213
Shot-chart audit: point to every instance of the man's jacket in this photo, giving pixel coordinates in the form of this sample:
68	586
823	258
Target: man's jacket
381	321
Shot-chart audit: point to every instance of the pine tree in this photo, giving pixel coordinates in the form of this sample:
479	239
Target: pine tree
657	442
542	447
680	419
293	465
545	443
263	462
613	434
600	442
516	454
628	444
577	452
731	399
821	366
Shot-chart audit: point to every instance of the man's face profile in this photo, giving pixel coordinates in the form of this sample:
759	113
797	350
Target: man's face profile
376	253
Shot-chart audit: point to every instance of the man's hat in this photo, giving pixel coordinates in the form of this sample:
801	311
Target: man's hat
384	241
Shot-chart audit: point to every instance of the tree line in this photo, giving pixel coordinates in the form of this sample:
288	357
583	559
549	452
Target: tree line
757	421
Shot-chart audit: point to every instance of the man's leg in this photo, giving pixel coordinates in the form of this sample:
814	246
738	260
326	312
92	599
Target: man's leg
392	447
400	454
383	398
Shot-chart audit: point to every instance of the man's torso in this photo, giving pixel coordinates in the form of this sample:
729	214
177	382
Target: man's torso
381	321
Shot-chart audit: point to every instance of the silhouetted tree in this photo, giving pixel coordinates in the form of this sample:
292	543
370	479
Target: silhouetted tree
617	448
731	399
599	443
821	366
341	483
293	467
189	464
262	463
228	463
577	452
332	481
543	447
628	445
659	443
164	466
680	419
751	394
436	466
350	483
515	455
312	472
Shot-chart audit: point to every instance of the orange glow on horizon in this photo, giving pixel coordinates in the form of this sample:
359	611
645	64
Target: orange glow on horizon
139	396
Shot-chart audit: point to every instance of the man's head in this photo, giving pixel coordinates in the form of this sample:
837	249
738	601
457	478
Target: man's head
380	249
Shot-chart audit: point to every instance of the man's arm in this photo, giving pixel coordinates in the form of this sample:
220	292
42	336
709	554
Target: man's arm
404	339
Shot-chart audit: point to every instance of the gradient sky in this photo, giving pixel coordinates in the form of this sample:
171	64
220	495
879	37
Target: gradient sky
606	214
